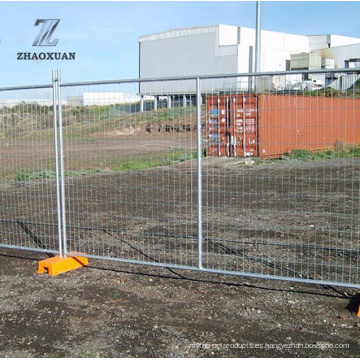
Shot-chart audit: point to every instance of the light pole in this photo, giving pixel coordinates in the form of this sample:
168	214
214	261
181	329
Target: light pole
258	37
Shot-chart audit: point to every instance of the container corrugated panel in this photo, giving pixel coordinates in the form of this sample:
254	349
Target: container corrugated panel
288	122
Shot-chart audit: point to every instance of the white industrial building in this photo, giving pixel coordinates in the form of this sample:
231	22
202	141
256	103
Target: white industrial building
105	98
9	103
224	49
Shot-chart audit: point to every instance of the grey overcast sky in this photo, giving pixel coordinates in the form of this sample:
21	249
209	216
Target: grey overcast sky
104	35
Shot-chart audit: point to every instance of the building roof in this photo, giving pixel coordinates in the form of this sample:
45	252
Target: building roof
314	41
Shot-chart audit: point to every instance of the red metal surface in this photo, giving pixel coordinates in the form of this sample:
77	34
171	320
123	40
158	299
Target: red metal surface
270	125
288	122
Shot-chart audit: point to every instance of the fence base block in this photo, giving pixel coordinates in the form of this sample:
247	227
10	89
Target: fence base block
57	265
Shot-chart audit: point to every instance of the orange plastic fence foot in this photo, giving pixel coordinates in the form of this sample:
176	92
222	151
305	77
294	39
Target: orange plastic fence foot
358	314
57	265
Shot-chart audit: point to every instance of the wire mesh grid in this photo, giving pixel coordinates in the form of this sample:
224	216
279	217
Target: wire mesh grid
130	165
28	217
286	205
277	159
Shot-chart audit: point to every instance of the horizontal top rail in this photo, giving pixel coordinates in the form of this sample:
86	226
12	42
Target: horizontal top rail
27	87
212	76
179	78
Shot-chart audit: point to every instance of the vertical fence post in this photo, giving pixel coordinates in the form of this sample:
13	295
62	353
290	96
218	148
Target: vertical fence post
62	175
60	264
199	174
58	194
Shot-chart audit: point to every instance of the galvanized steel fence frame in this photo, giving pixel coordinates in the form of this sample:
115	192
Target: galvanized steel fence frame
232	254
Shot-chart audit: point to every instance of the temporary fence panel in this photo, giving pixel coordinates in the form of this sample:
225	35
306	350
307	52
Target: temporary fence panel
130	176
28	207
125	176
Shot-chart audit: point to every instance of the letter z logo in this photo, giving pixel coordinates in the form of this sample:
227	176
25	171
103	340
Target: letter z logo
46	31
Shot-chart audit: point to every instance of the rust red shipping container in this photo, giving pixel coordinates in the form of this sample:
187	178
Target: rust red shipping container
268	125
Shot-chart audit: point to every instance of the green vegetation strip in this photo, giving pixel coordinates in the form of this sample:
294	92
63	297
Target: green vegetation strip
339	151
165	159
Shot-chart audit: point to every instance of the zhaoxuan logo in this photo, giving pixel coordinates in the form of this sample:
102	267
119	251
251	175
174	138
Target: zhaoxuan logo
44	39
46	31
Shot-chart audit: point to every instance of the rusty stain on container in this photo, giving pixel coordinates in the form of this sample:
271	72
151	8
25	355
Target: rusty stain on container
268	125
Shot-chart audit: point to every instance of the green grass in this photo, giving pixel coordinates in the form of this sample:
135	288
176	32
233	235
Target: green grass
165	159
339	151
144	162
27	176
92	353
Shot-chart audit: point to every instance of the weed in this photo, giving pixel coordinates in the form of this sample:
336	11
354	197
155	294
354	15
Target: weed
92	353
44	174
340	150
175	156
147	161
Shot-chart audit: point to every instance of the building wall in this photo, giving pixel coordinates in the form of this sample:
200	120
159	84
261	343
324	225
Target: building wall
15	102
191	53
214	50
224	49
228	35
194	53
75	100
317	42
104	98
274	40
186	55
340	54
245	59
276	49
338	40
274	59
282	41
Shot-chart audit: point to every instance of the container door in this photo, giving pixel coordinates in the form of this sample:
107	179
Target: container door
243	121
217	125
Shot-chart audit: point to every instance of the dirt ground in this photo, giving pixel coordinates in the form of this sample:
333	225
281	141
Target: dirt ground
114	310
288	218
